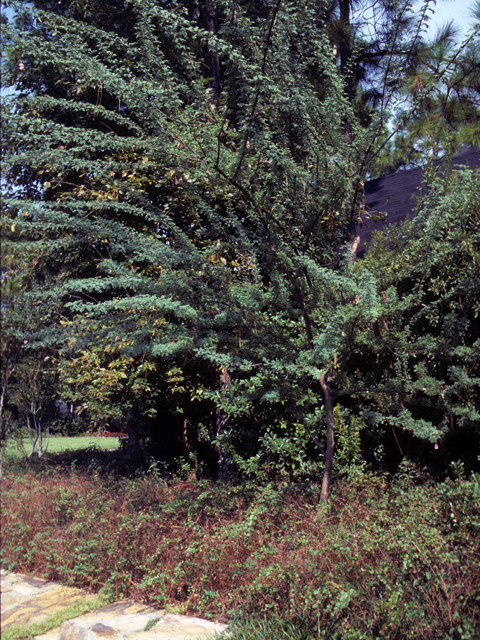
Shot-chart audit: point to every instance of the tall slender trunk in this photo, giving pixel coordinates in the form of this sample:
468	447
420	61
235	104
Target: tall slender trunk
327	474
39	437
327	394
188	447
212	58
3	430
133	432
222	422
33	437
207	18
345	59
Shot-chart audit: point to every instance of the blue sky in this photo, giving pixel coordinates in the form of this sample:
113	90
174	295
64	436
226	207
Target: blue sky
456	10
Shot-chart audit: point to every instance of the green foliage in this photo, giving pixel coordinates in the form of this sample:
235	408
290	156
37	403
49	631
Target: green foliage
348	430
167	231
151	623
443	85
181	191
422	352
273	627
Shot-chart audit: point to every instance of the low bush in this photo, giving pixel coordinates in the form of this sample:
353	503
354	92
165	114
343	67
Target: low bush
382	559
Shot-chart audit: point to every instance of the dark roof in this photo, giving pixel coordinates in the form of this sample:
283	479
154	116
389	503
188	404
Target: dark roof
390	197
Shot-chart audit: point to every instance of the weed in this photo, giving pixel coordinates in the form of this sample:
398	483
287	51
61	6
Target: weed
151	623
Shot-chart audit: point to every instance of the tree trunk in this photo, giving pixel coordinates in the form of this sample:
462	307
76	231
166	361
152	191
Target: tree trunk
39	437
206	18
212	58
3	428
345	58
133	432
33	438
44	438
327	474
327	393
221	426
188	447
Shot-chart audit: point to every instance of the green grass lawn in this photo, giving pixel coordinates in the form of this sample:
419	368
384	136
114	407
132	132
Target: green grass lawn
58	444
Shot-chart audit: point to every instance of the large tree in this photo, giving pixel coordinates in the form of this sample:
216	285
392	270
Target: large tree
186	183
443	85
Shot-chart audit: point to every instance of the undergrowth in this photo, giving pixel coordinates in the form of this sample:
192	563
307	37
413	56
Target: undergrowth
382	559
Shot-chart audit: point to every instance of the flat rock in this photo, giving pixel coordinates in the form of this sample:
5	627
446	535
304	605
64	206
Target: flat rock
30	600
38	605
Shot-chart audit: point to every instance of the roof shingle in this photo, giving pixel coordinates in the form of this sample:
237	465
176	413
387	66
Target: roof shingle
391	197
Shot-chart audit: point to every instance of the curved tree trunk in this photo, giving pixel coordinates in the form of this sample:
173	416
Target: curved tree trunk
221	426
327	474
327	393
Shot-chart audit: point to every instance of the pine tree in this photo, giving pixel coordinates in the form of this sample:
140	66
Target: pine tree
442	95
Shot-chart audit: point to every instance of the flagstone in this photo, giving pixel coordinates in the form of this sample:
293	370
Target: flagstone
40	606
31	600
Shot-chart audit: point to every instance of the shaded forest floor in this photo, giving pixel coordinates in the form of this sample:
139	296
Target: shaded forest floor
383	559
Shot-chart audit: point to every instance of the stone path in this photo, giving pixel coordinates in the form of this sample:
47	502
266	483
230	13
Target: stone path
31	600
